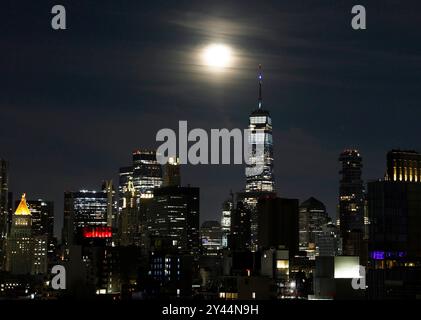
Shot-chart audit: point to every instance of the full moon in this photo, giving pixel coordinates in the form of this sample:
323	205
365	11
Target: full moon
217	56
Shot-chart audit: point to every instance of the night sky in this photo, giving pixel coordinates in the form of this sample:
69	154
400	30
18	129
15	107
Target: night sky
75	103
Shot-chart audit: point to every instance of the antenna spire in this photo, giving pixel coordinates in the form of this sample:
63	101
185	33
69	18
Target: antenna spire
260	77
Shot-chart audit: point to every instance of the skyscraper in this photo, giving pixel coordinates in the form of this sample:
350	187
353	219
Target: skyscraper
394	209
174	215
351	201
145	175
147	172
278	224
239	238
172	175
329	241
42	214
4	222
129	220
260	179
20	244
125	176
83	209
227	210
313	216
395	229
403	165
259	169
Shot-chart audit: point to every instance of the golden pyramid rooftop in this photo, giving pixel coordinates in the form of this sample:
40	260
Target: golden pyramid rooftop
22	209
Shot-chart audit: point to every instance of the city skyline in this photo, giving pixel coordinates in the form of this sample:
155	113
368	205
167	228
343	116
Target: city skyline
317	72
222	151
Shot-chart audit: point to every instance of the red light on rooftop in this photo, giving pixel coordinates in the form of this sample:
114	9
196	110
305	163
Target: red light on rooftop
97	232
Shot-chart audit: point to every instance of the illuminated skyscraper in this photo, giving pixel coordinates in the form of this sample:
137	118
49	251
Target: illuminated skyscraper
129	220
403	165
351	192
351	204
42	213
20	244
260	180
227	210
83	209
259	170
312	218
147	172
174	215
172	175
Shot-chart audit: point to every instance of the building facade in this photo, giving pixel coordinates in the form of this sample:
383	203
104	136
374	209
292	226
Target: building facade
83	209
260	178
227	210
313	216
147	172
278	223
20	245
211	238
42	213
351	202
174	214
403	165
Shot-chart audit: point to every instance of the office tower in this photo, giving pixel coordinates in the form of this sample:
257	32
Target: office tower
328	241
239	238
260	179
171	170
227	209
211	238
351	202
395	229
83	210
174	214
40	254
42	213
403	165
129	220
313	216
87	238
107	186
20	248
278	224
125	176
395	239
147	172
259	170
4	222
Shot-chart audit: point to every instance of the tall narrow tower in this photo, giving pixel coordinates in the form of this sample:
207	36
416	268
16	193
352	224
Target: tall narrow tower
20	243
351	203
259	170
260	181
